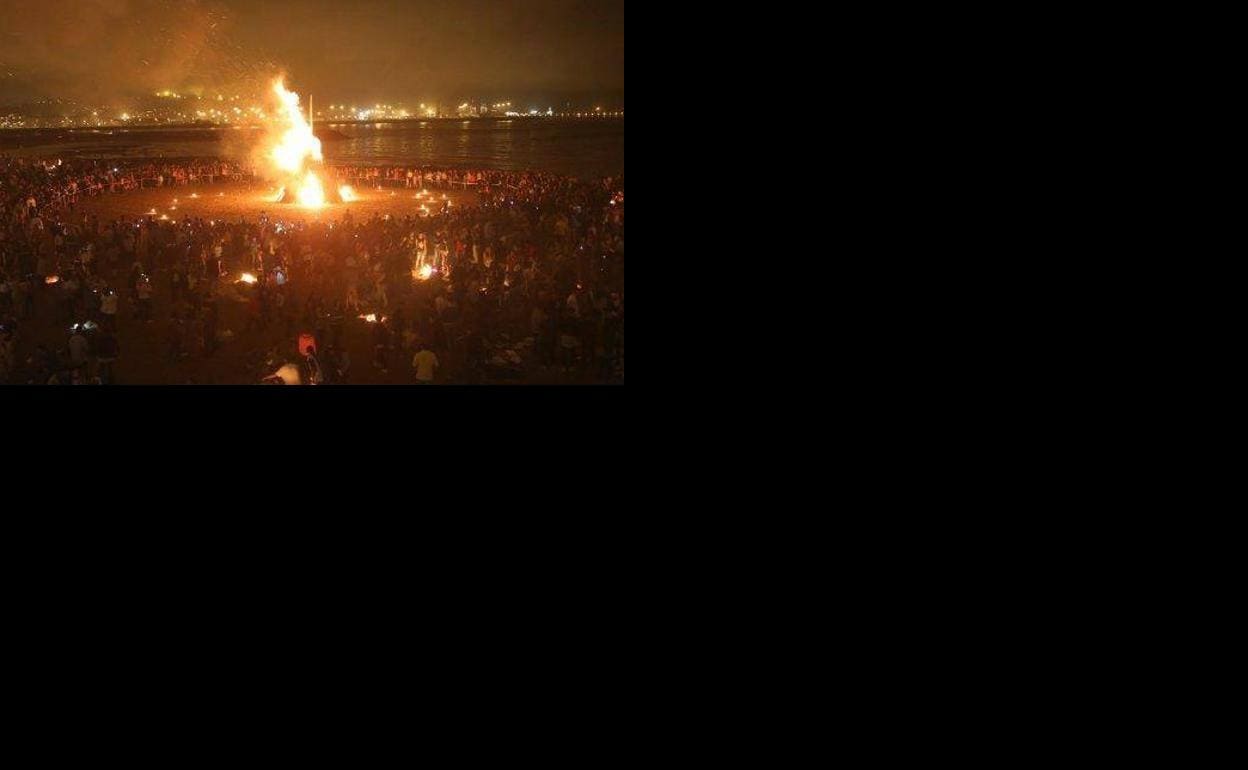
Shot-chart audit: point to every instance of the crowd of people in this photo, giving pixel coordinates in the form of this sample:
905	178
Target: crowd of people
530	279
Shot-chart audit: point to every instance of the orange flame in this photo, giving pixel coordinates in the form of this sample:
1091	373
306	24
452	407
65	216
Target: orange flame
298	144
294	149
311	193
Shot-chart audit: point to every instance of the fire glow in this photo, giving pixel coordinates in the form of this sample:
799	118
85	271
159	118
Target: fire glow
247	278
294	148
311	193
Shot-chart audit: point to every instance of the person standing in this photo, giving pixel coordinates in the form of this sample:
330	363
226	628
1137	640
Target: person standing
311	373
330	371
65	299
288	313
136	275
337	362
381	346
78	349
144	290
176	285
108	310
107	351
264	300
141	248
425	363
379	290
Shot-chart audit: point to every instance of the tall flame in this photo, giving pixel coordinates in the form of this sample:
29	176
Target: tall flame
298	143
295	149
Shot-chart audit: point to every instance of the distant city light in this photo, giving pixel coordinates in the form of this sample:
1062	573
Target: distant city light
95	116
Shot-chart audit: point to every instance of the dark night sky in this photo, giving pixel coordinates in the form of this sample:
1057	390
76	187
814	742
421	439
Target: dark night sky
398	50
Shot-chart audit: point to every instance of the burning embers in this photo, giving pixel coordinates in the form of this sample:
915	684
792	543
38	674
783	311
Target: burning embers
312	194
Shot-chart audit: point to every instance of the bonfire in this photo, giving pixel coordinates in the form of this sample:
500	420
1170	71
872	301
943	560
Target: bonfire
294	153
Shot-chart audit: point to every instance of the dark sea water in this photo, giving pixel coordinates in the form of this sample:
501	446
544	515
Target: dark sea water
585	148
